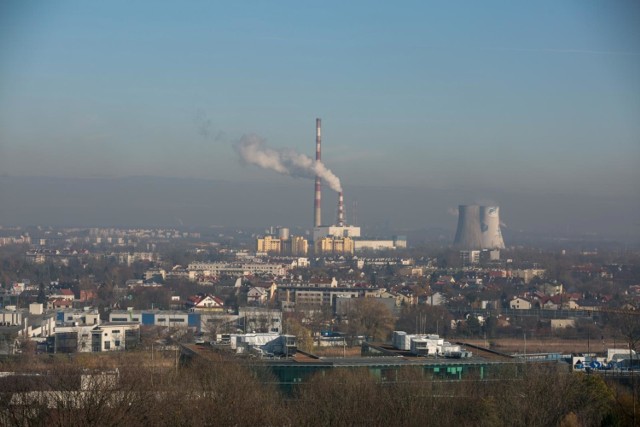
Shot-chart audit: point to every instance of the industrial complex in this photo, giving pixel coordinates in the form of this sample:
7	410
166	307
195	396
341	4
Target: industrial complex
327	239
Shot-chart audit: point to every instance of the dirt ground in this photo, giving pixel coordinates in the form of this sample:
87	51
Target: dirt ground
544	345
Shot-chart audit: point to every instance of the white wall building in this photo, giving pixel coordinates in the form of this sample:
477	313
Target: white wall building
237	269
335	231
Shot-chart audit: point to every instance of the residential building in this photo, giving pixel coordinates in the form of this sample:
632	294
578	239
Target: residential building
234	269
204	303
519	303
334	246
269	244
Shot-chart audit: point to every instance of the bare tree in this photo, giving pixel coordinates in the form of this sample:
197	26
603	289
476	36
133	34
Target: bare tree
370	317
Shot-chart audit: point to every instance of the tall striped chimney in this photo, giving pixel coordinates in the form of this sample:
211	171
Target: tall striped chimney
340	210
317	219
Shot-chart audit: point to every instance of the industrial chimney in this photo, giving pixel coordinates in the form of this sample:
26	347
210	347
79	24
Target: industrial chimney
340	210
490	227
468	234
317	219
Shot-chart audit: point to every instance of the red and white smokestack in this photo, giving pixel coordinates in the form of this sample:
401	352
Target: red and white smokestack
317	219
340	210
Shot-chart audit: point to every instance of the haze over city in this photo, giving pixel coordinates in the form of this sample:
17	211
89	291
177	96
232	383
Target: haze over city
114	113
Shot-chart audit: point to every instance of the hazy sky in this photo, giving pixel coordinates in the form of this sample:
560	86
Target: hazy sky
537	96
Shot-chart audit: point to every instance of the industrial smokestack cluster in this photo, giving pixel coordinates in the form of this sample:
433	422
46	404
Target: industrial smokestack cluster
317	201
253	149
478	228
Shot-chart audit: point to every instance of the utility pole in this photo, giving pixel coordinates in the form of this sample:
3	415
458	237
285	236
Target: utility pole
152	365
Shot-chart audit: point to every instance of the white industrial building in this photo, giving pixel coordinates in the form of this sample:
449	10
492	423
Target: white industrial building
374	245
31	323
398	242
97	338
427	345
264	345
323	231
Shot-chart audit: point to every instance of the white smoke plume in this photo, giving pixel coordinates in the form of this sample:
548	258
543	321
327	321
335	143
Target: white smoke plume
253	150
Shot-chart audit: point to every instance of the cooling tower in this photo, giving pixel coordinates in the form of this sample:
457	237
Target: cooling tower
317	218
468	234
490	227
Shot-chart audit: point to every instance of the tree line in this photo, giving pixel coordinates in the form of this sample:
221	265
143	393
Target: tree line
218	391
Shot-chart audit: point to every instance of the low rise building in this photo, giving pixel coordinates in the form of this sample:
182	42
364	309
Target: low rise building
204	303
116	336
519	303
234	269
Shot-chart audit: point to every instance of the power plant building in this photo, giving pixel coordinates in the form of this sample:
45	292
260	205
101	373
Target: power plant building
338	233
478	228
335	231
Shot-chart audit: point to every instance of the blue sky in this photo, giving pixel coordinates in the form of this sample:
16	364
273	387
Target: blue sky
539	97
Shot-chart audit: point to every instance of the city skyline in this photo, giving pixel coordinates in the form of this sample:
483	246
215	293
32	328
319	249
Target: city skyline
478	100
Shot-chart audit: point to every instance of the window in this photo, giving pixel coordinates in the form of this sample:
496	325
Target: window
107	345
116	343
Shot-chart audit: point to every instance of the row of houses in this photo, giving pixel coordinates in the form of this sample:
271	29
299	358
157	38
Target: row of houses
295	296
564	301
